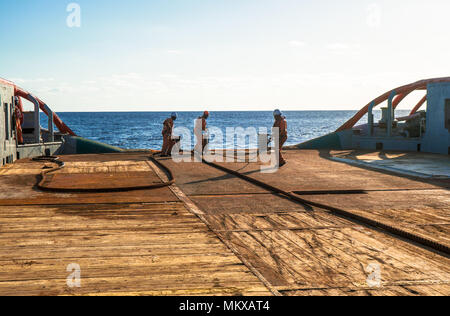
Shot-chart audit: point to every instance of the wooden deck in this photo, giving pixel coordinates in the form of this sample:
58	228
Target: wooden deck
308	251
122	247
214	234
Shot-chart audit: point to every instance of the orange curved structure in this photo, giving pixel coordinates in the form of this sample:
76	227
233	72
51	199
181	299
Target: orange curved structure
399	99
419	105
21	93
400	93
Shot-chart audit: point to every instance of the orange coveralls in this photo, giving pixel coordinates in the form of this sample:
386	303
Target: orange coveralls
168	143
282	125
19	121
204	125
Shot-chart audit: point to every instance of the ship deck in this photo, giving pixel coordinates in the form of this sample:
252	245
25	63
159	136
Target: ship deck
212	233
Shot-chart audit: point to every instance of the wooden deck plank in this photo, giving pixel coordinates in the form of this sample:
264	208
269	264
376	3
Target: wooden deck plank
116	238
137	243
405	253
278	221
420	290
161	266
136	285
138	250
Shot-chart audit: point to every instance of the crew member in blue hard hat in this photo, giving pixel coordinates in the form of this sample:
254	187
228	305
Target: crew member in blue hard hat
281	124
168	142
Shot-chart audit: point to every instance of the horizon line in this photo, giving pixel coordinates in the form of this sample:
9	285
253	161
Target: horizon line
219	111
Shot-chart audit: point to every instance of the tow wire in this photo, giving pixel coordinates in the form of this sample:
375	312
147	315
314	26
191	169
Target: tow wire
339	212
171	180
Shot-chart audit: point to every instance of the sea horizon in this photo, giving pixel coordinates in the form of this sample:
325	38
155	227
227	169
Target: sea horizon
142	130
215	111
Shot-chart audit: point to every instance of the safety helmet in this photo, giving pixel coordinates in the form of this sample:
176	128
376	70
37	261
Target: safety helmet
277	113
174	115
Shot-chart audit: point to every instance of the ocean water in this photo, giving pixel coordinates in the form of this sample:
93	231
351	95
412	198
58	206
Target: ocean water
142	130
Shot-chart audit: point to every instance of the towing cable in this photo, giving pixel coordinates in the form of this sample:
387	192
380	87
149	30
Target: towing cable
339	212
60	165
171	180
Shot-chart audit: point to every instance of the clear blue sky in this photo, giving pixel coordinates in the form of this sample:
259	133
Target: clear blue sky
221	54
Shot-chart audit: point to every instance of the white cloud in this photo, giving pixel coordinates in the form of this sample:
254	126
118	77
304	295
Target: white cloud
344	48
337	46
160	92
297	44
31	81
174	52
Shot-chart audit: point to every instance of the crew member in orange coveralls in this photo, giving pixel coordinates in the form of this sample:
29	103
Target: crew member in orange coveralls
168	142
200	128
280	122
18	114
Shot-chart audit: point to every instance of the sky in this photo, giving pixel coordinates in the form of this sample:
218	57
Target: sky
191	55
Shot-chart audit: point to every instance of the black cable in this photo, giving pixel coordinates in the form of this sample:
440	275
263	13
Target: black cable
341	213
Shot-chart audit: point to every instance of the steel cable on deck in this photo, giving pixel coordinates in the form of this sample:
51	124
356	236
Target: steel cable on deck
398	232
171	180
60	165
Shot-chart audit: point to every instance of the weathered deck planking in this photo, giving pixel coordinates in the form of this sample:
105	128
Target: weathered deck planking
307	251
161	248
416	205
214	234
122	248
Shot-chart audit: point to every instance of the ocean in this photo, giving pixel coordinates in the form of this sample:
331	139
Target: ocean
142	130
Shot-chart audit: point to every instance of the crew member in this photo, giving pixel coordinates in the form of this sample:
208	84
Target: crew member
281	124
168	142
18	115
199	130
